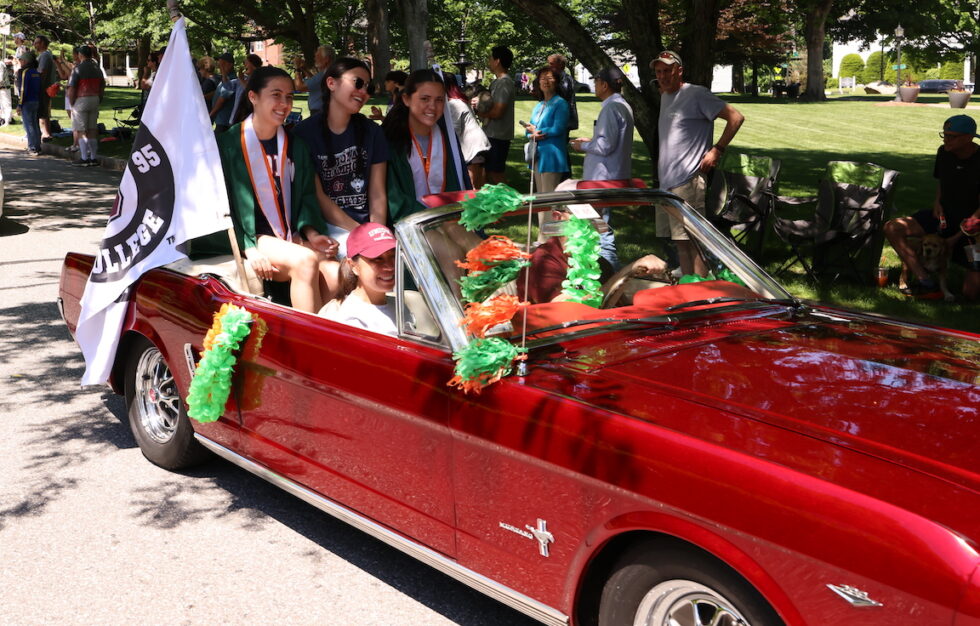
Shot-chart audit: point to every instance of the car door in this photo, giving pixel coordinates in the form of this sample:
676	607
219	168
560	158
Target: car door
354	415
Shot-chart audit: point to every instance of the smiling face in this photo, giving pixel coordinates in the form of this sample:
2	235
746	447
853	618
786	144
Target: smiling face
349	91
546	81
376	276
425	106
274	102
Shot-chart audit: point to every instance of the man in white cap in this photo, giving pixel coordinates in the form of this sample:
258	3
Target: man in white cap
686	126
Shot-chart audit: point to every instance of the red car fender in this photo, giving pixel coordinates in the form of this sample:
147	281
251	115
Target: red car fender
654	523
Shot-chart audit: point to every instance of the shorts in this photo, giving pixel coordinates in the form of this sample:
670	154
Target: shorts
691	192
44	105
496	156
85	114
930	225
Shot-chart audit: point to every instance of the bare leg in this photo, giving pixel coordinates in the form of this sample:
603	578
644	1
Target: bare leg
897	231
495	178
298	265
971	286
329	280
477	175
690	259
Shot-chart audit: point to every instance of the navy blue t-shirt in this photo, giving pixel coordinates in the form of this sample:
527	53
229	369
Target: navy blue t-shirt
345	168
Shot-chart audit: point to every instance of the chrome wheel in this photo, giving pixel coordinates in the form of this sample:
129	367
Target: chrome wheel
156	400
686	603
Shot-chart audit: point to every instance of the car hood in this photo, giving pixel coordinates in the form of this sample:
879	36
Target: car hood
905	394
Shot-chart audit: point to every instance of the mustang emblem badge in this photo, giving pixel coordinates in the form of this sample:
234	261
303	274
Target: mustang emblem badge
854	595
539	532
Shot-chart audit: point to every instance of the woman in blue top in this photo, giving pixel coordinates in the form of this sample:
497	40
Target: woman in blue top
549	127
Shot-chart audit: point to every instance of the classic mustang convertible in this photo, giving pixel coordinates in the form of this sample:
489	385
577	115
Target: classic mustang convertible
708	452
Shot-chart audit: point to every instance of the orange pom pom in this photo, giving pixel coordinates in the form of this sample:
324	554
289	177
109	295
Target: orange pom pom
493	250
480	317
215	329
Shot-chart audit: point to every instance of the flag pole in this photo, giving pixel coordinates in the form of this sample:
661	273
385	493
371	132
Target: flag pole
174	10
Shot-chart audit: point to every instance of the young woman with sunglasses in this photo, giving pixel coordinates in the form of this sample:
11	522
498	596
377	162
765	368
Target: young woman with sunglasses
270	189
424	155
349	152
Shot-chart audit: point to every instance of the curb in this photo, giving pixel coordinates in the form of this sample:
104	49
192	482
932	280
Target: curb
20	142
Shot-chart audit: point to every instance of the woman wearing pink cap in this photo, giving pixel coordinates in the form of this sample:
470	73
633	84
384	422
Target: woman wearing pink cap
366	276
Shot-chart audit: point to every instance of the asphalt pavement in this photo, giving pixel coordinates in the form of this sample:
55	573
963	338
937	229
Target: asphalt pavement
92	533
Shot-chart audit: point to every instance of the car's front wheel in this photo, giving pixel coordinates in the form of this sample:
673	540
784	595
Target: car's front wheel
657	585
156	411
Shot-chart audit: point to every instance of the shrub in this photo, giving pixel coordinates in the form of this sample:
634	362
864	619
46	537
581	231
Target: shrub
873	70
952	69
851	65
932	72
833	83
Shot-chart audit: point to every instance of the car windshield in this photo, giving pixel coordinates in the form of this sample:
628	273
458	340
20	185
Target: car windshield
641	285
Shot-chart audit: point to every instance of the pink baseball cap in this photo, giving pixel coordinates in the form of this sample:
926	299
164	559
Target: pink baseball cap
370	240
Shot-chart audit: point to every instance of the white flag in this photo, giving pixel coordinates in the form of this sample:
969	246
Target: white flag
173	190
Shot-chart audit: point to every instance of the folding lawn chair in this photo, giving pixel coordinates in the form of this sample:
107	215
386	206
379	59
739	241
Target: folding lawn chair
845	235
742	197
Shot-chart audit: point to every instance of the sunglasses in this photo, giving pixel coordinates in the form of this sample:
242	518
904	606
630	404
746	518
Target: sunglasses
951	135
359	83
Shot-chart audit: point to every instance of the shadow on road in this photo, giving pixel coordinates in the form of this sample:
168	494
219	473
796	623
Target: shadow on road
9	227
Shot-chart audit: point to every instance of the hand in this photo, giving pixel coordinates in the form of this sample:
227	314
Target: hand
376	114
710	159
474	101
577	143
262	266
323	244
649	265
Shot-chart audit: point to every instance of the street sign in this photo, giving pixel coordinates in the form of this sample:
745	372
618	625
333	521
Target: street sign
904	67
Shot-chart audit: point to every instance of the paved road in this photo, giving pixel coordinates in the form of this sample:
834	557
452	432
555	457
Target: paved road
91	533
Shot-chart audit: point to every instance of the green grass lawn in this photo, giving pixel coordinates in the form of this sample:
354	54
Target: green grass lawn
804	136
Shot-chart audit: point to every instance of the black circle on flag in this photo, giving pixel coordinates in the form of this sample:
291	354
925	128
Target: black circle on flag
146	199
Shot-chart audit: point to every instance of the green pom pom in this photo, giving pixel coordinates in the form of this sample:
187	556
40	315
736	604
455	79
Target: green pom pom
581	282
693	278
211	384
490	202
485	360
478	286
730	276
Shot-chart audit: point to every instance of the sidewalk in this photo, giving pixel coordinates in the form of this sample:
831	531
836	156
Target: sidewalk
20	142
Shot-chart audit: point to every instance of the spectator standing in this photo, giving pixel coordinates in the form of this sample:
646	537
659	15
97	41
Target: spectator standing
349	153
957	169
6	102
312	82
19	47
473	141
252	63
224	96
499	119
49	76
609	153
209	83
549	128
687	156
149	75
394	82
30	89
86	88
566	87
65	69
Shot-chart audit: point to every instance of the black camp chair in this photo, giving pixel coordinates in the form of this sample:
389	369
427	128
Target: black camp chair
845	235
742	197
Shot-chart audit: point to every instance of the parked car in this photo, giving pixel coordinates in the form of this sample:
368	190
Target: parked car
706	452
939	85
582	87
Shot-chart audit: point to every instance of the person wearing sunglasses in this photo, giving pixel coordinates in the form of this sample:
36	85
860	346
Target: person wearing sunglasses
425	156
349	152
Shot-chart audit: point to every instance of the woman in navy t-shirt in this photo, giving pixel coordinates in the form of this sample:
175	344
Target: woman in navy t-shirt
349	152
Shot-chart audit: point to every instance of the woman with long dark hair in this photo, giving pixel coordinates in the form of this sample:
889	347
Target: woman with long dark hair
270	189
424	151
349	152
472	140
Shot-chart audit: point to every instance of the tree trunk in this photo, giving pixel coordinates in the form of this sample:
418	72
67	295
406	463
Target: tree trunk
303	26
814	30
699	29
379	39
415	14
646	42
738	77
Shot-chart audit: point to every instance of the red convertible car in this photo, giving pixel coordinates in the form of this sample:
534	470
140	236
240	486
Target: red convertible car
711	452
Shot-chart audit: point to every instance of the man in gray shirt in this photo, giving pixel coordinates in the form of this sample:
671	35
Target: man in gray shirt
686	125
609	154
313	83
498	121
